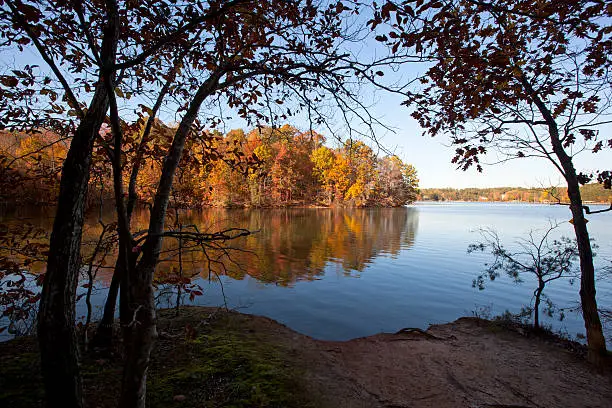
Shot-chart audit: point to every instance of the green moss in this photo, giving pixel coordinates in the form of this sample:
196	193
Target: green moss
228	369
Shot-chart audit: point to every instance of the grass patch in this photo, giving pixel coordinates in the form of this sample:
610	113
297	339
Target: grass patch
225	370
227	363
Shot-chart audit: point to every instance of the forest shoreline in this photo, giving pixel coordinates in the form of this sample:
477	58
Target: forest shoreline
505	202
10	205
209	356
592	193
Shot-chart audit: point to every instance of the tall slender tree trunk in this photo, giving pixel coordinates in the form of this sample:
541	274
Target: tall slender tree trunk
595	338
594	332
56	318
137	303
592	323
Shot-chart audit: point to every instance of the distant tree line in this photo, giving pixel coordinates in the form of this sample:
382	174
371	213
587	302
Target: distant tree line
593	192
264	167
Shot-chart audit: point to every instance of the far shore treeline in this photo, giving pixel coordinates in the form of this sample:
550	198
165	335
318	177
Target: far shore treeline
591	193
263	167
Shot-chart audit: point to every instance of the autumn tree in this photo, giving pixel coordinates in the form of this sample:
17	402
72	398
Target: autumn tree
360	161
323	160
257	53
78	42
397	183
524	78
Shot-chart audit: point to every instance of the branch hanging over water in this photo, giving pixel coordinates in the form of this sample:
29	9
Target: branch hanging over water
225	235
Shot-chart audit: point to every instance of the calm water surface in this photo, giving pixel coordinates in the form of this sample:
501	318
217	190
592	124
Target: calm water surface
340	274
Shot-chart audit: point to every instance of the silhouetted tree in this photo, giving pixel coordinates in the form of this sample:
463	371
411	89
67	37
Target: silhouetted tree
525	78
545	258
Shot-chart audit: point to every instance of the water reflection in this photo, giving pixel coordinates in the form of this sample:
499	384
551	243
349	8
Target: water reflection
290	245
296	244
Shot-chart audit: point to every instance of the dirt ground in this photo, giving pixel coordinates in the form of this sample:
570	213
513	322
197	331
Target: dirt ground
214	358
461	364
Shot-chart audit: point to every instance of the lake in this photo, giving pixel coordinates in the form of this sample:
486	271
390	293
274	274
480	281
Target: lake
337	274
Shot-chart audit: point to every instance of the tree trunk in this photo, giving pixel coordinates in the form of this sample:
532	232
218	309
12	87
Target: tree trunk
139	328
536	307
592	323
104	331
139	335
56	332
595	338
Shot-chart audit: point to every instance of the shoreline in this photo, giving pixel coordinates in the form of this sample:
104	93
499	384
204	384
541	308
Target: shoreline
213	357
504	202
7	208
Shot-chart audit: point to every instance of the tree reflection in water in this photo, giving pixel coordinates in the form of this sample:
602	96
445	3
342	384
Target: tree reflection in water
297	244
290	245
